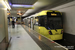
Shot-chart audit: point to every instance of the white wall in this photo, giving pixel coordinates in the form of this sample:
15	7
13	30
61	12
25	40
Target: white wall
2	23
2	33
69	19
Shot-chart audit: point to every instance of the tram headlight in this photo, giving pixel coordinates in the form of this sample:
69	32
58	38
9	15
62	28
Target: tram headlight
39	27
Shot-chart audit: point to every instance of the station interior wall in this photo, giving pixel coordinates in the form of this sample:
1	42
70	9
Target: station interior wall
2	23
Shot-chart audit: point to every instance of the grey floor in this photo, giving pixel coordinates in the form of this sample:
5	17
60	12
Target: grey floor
21	39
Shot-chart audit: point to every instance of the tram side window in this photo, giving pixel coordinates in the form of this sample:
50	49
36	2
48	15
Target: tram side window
36	21
41	21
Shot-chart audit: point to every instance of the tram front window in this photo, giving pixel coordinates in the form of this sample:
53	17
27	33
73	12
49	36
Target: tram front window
54	24
57	24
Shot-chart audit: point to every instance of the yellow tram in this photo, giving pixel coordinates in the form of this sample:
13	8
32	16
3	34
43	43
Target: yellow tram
49	23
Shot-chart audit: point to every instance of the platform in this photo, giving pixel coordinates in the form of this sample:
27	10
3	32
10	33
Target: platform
21	39
24	38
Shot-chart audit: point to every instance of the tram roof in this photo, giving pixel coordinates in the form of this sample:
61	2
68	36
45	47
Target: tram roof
44	12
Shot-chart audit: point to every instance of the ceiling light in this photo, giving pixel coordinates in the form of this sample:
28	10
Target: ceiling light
26	6
6	4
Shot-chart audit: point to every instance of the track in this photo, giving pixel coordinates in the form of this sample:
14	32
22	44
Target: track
66	44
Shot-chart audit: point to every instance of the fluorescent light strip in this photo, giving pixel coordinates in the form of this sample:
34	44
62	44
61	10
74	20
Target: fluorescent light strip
6	4
27	6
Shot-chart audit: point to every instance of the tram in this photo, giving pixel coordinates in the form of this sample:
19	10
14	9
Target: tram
49	23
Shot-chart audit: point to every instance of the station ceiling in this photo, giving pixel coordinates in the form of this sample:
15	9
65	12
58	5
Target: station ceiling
38	5
23	2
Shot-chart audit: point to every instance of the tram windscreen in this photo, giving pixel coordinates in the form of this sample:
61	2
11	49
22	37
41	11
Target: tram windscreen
55	23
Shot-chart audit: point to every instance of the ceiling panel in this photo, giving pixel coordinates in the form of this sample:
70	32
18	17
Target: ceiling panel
57	4
24	2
